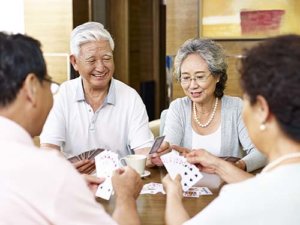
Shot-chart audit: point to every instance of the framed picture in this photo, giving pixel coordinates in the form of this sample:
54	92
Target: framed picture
248	19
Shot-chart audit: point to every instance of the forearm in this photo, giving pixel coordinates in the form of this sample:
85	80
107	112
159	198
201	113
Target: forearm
50	146
126	211
230	173
175	212
254	160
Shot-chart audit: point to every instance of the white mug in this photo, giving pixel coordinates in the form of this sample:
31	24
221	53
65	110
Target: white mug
137	162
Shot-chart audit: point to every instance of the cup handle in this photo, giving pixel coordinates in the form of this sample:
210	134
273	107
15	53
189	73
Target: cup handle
123	162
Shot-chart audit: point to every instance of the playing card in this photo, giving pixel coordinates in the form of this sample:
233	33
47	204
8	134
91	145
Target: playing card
95	152
106	163
157	143
152	188
105	189
191	193
204	191
176	164
74	159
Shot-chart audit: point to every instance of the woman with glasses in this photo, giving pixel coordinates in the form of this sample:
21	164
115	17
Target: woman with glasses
206	118
270	78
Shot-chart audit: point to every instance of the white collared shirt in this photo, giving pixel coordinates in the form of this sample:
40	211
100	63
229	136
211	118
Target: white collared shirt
120	122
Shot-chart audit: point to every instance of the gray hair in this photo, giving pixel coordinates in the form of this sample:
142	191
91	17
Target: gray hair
212	53
90	31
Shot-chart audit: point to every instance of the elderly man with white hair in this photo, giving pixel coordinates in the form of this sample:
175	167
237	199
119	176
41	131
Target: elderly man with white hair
95	110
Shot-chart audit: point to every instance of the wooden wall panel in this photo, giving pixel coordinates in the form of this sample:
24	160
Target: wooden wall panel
234	49
182	24
117	25
50	21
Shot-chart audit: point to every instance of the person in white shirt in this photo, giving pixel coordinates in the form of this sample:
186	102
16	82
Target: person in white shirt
39	186
95	110
270	79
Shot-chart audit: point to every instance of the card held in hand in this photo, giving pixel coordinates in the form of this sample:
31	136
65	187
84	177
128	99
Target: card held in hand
157	143
106	163
176	164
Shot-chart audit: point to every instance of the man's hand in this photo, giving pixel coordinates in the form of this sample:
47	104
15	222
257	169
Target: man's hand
154	159
93	182
85	166
173	187
126	183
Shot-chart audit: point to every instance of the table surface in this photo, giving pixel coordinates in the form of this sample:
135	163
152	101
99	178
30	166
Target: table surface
151	208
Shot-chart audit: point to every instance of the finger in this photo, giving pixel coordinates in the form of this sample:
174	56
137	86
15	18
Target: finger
90	170
79	163
164	147
178	178
156	161
87	167
166	179
93	180
119	171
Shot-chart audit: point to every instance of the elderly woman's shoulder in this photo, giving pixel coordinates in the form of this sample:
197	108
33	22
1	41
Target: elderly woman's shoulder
181	102
231	101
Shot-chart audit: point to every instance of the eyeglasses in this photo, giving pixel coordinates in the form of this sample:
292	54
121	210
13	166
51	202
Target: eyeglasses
54	86
199	79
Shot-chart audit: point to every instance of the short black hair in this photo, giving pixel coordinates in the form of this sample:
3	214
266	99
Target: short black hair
272	69
19	56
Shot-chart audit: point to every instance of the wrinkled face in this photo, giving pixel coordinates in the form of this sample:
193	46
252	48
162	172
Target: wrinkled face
196	80
95	64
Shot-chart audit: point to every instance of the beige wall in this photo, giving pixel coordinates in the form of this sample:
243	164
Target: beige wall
50	21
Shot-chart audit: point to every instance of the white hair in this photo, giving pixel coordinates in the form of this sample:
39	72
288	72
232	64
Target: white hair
90	31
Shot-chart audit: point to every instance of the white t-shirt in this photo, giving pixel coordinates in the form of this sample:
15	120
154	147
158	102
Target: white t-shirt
41	187
269	198
210	142
122	121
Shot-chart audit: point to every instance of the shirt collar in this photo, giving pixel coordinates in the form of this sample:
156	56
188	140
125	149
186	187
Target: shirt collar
109	99
14	132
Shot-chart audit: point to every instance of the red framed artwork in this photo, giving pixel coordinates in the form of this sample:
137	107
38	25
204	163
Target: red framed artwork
248	19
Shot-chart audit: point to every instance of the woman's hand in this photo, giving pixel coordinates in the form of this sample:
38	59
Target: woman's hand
154	159
204	160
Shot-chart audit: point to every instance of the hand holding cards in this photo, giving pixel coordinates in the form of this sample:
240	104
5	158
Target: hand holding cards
106	163
91	154
176	164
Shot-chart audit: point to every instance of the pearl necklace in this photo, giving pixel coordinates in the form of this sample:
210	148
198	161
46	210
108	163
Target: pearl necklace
277	161
210	118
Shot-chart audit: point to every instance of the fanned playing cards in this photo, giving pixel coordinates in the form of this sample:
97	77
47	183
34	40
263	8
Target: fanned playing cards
91	154
106	163
176	164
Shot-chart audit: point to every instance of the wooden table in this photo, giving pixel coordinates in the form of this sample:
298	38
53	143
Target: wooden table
152	207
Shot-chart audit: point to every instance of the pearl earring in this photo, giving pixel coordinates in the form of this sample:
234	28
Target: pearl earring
263	127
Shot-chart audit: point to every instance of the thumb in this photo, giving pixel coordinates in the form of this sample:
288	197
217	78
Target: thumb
178	178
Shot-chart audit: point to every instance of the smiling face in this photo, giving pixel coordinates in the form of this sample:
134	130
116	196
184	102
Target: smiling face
95	64
195	67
